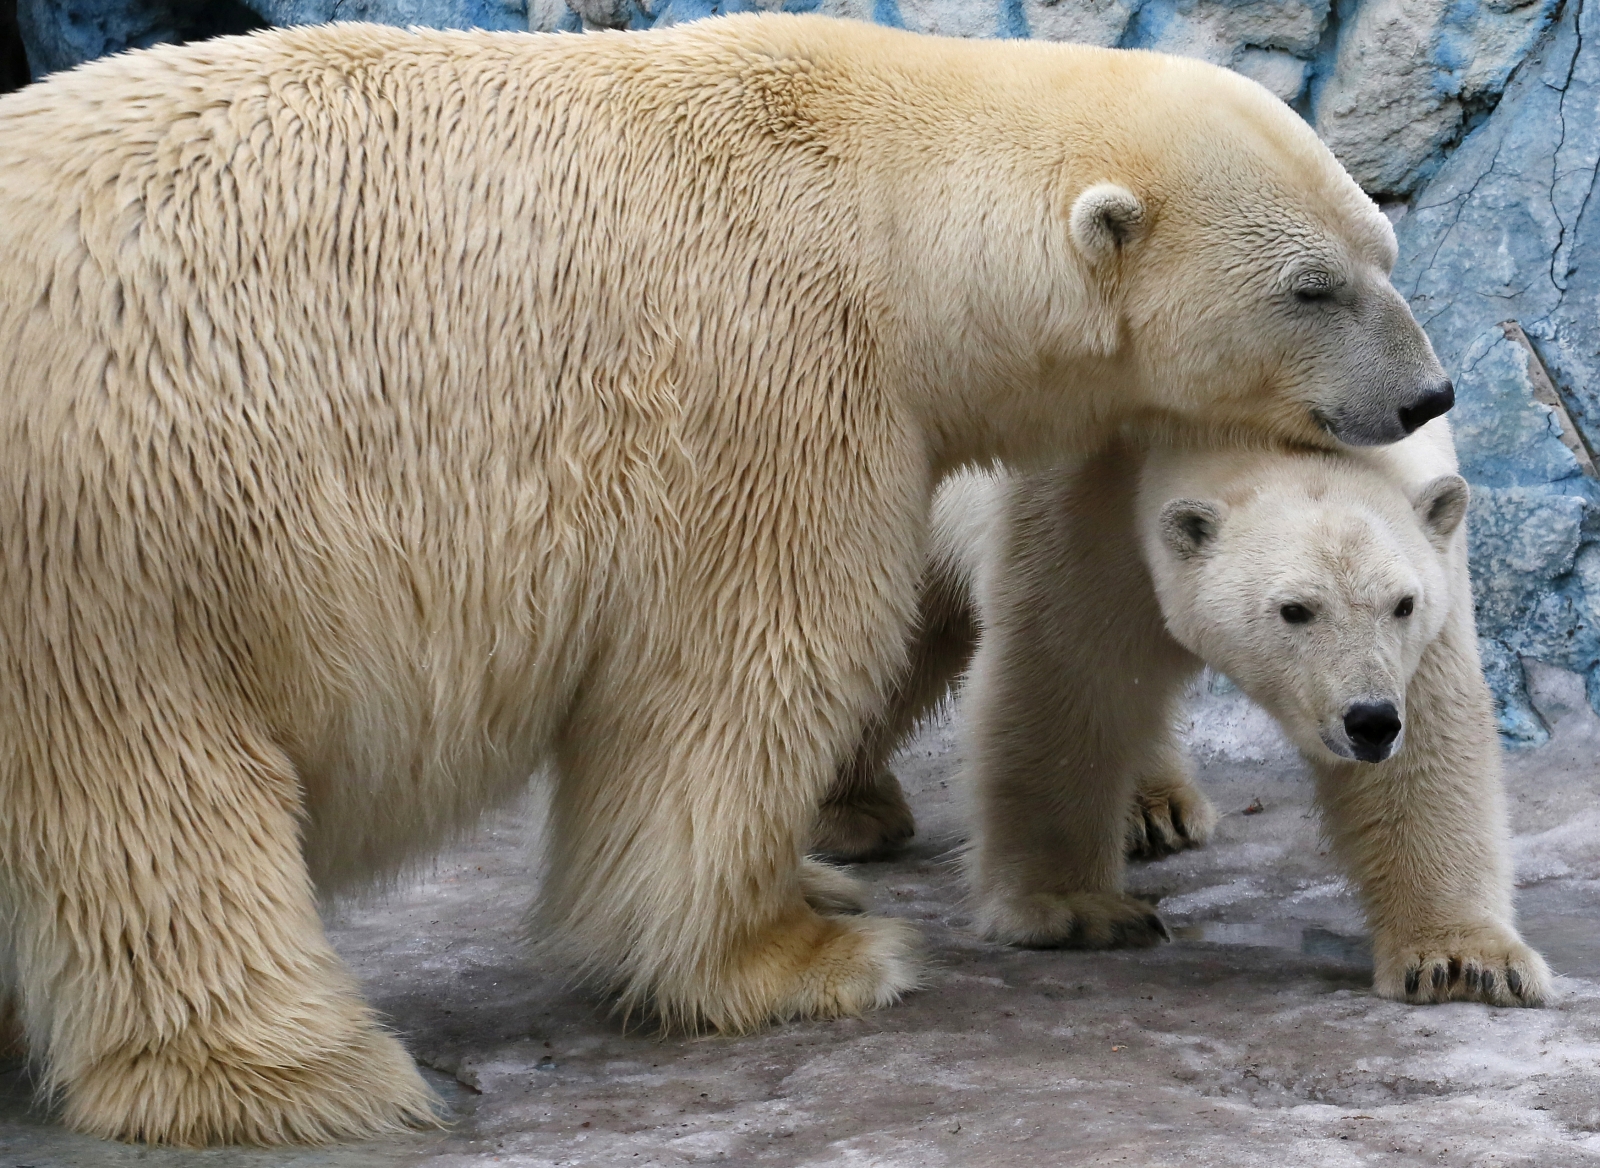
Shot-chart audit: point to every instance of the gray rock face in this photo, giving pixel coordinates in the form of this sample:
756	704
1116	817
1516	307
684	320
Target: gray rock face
1535	566
492	14
1404	78
59	34
1502	233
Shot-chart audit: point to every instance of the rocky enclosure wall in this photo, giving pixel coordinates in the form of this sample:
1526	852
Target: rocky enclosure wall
1475	122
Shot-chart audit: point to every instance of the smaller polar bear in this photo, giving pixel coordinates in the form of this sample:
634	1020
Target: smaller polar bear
1332	589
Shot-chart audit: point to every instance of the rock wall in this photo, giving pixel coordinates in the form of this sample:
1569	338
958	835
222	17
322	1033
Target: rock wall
1476	122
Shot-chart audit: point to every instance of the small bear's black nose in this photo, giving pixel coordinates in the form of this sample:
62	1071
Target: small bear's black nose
1429	406
1372	727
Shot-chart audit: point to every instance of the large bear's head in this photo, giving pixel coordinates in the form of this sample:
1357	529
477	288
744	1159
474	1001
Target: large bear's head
1312	581
1238	265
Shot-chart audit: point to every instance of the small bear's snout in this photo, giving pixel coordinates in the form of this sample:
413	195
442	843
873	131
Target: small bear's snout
1430	405
1372	728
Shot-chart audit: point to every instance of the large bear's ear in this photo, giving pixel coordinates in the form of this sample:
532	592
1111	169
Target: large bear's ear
1441	506
1105	219
1189	525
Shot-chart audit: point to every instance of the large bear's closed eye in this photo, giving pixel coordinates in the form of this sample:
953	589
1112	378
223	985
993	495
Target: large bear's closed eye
1315	286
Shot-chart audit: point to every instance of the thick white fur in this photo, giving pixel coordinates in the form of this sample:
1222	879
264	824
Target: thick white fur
385	416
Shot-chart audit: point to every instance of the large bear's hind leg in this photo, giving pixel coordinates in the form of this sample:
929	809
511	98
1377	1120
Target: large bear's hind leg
171	966
675	866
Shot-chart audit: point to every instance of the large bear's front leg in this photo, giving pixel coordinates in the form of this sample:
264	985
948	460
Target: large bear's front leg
171	969
1072	699
1424	836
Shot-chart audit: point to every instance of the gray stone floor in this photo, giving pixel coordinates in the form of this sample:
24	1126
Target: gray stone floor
1251	1041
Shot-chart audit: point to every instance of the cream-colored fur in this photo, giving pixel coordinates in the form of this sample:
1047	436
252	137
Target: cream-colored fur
387	415
1084	658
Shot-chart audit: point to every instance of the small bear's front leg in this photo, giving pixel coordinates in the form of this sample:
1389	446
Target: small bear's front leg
1071	701
864	815
1424	836
1489	964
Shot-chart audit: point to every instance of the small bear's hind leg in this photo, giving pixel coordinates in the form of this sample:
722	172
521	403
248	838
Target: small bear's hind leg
1169	812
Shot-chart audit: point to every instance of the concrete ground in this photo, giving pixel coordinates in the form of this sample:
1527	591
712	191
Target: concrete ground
1252	1040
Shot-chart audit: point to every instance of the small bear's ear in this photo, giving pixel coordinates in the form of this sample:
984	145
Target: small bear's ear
1441	506
1105	219
1188	525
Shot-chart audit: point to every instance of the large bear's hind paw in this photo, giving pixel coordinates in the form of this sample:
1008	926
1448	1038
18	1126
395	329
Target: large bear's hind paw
1072	920
1495	969
865	824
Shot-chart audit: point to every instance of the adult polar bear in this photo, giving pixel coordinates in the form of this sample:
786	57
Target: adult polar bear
1333	587
386	415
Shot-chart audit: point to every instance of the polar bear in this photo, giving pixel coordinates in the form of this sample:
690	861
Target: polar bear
386	416
1333	588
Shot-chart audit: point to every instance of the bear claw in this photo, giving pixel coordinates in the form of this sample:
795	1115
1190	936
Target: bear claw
1509	974
1167	817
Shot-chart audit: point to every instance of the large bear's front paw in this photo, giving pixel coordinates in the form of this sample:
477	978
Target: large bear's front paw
1071	920
1167	816
286	1085
1492	965
864	824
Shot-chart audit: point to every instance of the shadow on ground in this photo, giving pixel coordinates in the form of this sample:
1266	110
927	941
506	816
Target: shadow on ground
1251	1040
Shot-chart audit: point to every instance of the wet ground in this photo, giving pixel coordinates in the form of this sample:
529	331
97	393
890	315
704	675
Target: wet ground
1252	1040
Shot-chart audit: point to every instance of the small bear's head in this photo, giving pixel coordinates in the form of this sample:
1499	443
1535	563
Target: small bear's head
1315	585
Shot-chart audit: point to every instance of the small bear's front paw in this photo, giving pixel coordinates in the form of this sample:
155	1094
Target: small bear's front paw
1072	920
1493	967
1168	816
864	824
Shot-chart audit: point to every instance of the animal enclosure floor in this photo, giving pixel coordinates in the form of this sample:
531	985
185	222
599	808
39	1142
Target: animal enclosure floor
1252	1040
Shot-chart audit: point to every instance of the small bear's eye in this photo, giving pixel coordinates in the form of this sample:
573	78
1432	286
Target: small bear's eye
1295	614
1313	295
1405	607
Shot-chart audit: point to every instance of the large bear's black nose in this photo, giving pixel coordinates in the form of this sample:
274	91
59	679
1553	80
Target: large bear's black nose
1429	406
1372	728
